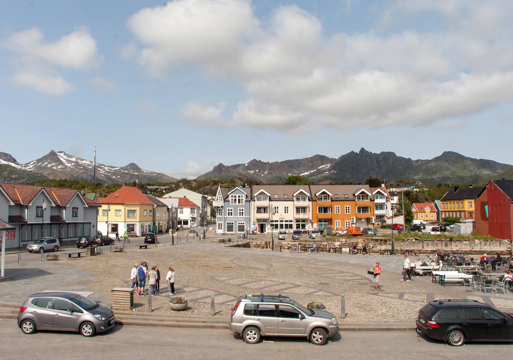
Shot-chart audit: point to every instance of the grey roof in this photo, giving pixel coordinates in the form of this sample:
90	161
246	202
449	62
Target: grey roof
340	190
226	191
506	186
155	201
463	194
5	226
393	193
278	192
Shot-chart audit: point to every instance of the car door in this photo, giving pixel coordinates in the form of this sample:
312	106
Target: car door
495	327
268	318
472	323
290	322
43	312
66	315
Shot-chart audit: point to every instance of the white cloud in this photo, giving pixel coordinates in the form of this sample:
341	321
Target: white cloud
101	84
36	62
191	170
296	77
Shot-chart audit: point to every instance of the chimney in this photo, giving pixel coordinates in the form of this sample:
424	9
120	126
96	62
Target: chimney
470	185
456	187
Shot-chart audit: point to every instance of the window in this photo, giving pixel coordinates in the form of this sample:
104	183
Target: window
241	227
180	210
362	210
490	314
300	197
63	305
275	196
348	223
250	309
266	310
229	212
301	210
105	212
45	303
131	214
457	205
432	216
288	312
285	209
451	314
261	210
422	216
261	198
151	212
462	204
158	213
285	196
335	196
237	199
276	210
348	209
74	212
117	212
361	197
145	212
39	211
472	313
220	226
229	226
338	224
241	212
380	207
193	211
337	209
470	204
324	198
323	210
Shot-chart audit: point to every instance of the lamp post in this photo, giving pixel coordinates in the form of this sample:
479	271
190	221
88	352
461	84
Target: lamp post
172	224
393	244
43	217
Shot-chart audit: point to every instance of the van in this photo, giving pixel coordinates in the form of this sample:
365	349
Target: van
432	230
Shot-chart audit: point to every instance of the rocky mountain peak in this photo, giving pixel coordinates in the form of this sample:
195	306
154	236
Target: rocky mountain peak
8	158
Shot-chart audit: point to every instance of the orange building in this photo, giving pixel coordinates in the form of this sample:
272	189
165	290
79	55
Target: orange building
342	206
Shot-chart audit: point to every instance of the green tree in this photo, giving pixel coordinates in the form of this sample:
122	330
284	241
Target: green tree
297	180
398	209
373	181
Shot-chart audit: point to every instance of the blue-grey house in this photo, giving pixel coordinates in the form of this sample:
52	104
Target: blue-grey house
233	210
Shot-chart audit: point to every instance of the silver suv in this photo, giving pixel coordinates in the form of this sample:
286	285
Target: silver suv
43	244
64	311
262	315
315	234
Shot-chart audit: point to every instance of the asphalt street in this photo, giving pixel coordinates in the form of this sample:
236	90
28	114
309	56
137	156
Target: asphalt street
132	342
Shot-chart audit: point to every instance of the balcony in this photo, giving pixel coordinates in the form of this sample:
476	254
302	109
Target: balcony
380	201
324	216
218	203
323	203
262	216
301	216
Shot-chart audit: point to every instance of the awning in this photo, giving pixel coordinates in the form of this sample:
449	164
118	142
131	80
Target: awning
56	219
17	219
5	226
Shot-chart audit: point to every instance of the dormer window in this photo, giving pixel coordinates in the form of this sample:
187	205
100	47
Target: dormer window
261	198
346	196
275	196
336	196
324	198
285	196
300	197
361	197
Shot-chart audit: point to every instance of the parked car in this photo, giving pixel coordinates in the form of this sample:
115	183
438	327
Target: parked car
354	230
296	234
44	244
315	234
446	226
418	227
259	315
150	238
84	242
64	311
457	322
369	231
397	227
104	240
282	235
432	230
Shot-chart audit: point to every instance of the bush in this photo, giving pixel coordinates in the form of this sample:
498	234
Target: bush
454	220
386	226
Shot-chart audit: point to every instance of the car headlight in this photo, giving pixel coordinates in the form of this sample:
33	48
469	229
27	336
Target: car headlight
334	321
99	317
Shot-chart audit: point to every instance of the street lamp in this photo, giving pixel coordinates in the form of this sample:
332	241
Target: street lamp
43	217
172	224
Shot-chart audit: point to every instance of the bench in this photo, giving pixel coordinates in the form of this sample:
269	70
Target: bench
143	246
75	253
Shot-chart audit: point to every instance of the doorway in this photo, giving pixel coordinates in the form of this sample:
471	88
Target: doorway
261	228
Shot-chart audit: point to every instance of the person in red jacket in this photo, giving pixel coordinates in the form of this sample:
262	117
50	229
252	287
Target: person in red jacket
377	273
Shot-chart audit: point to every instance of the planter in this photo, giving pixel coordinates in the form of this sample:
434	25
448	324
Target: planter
52	258
178	307
117	250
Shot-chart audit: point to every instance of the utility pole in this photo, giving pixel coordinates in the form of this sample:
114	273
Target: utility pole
94	165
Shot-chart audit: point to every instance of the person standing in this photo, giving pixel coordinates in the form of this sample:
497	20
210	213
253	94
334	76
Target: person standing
133	277
141	274
152	279
406	268
377	273
158	278
117	236
170	278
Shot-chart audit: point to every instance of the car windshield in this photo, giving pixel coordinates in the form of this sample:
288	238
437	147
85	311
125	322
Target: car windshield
40	241
84	302
303	309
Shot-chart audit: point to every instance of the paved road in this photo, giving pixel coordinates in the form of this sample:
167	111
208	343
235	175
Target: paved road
130	342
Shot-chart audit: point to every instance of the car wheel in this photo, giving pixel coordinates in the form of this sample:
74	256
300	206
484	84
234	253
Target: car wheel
318	336
455	338
28	326
41	250
87	329
55	248
251	335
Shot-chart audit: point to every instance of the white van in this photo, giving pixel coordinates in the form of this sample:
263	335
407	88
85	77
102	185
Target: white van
432	230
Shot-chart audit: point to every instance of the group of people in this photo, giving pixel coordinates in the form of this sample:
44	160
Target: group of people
140	273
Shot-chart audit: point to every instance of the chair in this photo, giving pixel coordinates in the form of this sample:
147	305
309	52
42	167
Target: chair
486	285
500	286
470	283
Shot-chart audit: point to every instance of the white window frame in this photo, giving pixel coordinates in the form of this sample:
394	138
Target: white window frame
227	226
105	212
240	212
219	212
338	224
348	209
348	223
117	212
243	226
262	198
285	209
145	212
422	216
220	226
276	209
301	198
229	212
337	209
180	210
324	198
361	197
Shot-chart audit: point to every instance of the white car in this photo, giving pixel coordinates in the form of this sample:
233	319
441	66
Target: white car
314	234
44	244
282	235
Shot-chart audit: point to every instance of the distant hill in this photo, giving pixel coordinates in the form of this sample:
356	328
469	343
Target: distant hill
449	167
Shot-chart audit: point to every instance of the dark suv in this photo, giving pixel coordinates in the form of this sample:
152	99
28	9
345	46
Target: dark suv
84	242
459	321
150	238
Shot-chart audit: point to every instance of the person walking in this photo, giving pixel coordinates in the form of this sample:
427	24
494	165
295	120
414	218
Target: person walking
133	277
377	273
170	278
125	236
158	277
141	274
406	268
152	279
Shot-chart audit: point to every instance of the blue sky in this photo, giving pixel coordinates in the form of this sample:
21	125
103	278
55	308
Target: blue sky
178	88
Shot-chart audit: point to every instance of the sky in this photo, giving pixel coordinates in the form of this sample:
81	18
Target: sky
179	87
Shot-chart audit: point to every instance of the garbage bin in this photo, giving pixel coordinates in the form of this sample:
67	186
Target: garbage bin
277	248
90	251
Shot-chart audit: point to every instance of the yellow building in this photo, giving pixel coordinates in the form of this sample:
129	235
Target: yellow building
127	209
424	211
460	203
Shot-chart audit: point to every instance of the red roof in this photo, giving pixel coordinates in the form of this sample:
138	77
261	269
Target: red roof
382	188
184	202
25	194
126	195
423	207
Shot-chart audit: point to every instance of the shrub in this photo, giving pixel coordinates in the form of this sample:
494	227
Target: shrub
386	226
178	300
453	220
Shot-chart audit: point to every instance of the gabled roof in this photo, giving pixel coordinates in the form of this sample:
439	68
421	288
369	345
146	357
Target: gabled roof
323	191
506	186
464	194
126	195
423	207
184	202
381	189
155	201
362	189
280	192
261	190
25	194
238	187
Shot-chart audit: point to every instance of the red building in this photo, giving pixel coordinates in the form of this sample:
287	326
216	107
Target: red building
494	210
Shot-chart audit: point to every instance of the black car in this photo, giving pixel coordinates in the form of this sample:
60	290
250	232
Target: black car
445	225
104	240
418	227
84	242
150	238
459	321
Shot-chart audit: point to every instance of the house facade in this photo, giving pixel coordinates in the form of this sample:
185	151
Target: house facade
460	203
494	210
160	215
35	211
424	212
199	199
382	204
127	209
233	210
187	213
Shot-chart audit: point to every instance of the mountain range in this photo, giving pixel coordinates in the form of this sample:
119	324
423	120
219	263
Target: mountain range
449	167
59	165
